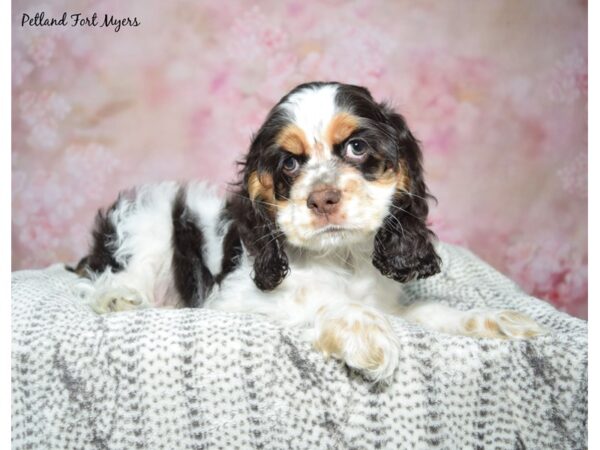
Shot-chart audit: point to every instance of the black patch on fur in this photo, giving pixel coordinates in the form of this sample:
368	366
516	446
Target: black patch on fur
262	239
404	244
192	278
101	255
74	269
232	251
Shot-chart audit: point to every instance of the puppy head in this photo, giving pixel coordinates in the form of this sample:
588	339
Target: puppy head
332	168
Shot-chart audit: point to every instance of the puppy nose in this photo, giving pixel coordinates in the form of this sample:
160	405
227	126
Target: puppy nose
324	201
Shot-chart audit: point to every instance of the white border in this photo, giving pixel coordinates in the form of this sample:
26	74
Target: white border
5	233
593	217
5	236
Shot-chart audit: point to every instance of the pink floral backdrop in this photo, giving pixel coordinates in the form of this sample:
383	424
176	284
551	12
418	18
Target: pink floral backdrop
496	91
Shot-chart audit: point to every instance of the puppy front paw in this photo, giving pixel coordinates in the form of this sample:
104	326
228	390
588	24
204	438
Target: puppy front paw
117	299
503	324
364	340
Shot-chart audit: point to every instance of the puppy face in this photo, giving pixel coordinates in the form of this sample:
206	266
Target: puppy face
332	166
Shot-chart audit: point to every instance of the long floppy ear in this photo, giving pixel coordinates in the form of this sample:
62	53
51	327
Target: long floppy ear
252	209
404	245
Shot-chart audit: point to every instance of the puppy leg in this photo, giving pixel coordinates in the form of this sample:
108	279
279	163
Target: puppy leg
482	323
356	334
360	336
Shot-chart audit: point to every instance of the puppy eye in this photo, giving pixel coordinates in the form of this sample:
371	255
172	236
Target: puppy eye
356	150
291	165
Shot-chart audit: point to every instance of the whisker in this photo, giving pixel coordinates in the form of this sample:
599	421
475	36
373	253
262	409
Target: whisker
398	222
269	234
405	211
412	195
255	200
344	261
274	238
362	258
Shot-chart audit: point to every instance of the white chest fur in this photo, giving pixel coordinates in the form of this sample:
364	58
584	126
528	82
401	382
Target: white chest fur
340	278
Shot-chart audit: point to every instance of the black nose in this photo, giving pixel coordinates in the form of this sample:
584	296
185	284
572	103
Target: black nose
324	201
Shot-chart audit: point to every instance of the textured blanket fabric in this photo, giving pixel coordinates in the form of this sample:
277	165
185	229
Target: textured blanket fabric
169	379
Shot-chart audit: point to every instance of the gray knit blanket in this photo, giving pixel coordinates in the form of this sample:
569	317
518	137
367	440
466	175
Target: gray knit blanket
192	379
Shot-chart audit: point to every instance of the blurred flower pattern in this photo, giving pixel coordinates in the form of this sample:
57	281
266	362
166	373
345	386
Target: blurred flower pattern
495	91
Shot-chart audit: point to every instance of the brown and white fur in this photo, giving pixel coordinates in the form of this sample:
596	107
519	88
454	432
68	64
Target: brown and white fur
325	225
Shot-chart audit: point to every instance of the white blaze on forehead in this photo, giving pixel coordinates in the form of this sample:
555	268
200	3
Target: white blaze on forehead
312	110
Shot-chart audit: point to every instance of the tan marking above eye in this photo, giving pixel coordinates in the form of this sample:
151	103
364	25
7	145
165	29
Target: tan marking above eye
293	140
340	128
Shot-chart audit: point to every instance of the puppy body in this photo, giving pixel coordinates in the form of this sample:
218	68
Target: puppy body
327	222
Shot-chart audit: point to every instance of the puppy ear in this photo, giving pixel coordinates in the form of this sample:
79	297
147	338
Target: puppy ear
252	209
403	248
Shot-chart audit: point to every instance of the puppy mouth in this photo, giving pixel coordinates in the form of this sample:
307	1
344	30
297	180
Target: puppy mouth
333	229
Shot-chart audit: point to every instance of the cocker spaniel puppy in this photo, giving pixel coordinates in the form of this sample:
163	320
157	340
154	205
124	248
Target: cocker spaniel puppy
327	222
